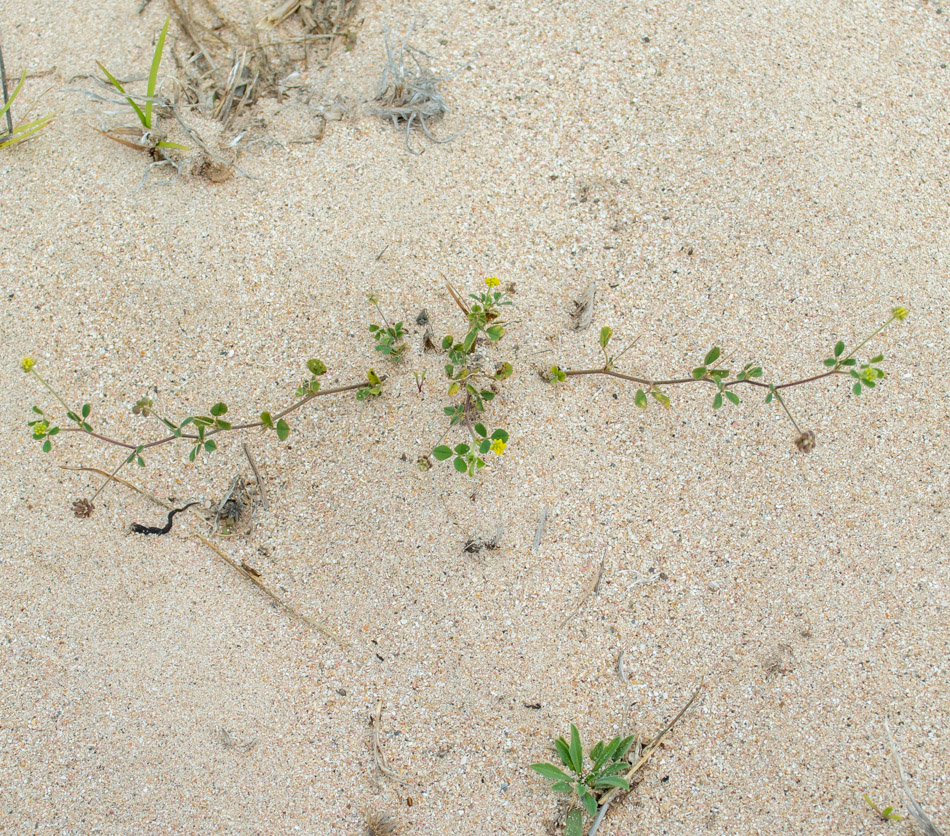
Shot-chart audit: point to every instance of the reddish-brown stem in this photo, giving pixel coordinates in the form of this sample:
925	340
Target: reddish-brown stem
644	382
249	425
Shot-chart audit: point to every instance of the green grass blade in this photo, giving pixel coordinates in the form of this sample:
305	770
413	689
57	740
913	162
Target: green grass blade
121	89
153	73
25	131
6	107
165	144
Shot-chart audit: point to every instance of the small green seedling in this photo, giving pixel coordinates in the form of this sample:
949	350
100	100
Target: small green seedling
389	338
15	134
373	387
151	141
469	378
584	785
865	376
887	814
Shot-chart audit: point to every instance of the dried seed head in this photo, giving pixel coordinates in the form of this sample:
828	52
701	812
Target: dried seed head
83	508
379	824
428	341
143	407
212	170
805	442
424	463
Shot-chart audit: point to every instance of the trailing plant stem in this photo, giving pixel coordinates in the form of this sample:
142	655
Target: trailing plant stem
781	400
866	341
249	425
653	383
54	393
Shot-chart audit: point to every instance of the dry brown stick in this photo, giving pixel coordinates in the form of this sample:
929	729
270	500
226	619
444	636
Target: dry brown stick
273	595
129	485
227	496
188	27
540	531
278	15
591	590
916	811
458	299
257	475
583	310
647	752
381	764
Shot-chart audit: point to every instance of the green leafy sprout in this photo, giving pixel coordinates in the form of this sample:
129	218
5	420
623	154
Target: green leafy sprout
887	814
468	378
584	784
144	116
198	430
711	372
389	338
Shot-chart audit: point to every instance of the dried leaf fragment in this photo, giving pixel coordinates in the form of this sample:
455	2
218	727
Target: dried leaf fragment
583	311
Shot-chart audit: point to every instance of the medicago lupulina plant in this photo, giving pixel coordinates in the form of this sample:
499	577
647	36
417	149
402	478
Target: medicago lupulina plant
469	378
199	431
861	376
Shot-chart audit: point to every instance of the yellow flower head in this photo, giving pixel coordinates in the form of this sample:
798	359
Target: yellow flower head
498	446
27	363
491	281
900	313
39	430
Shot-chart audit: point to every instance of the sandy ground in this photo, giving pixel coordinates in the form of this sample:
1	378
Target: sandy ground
767	177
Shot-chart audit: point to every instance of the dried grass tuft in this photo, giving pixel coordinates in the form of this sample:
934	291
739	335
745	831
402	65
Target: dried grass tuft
409	92
322	17
225	66
379	824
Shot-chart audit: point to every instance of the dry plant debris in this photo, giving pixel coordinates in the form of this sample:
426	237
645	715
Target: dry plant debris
916	811
379	824
643	753
583	311
228	742
409	92
378	754
247	571
592	589
780	660
477	544
319	17
225	66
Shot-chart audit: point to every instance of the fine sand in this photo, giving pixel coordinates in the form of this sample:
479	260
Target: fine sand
767	177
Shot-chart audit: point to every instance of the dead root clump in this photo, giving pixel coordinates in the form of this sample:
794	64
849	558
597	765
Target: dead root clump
213	170
225	66
379	824
319	17
409	92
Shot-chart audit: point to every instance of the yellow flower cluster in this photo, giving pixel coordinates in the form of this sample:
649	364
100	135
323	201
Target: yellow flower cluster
491	281
27	363
498	446
39	430
900	313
